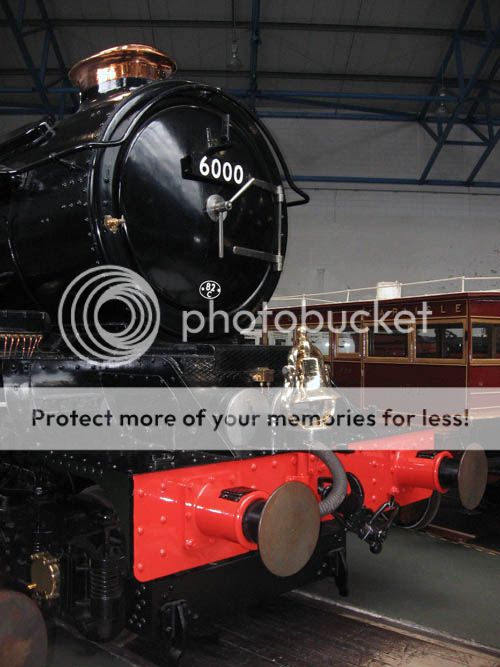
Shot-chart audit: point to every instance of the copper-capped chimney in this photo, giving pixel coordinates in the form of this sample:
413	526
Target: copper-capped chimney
121	67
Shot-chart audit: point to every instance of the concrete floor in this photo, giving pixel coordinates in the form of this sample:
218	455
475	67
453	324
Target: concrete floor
69	651
421	582
427	582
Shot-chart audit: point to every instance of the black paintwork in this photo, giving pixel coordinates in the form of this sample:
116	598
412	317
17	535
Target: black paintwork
52	216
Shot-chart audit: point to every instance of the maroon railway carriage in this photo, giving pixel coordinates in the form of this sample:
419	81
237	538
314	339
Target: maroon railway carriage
459	347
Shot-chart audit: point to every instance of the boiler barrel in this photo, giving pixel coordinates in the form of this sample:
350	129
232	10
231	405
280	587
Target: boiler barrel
142	178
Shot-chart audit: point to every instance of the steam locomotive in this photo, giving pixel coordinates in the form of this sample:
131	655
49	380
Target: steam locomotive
180	183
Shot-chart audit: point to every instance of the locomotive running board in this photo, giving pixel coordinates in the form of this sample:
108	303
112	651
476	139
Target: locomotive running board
277	260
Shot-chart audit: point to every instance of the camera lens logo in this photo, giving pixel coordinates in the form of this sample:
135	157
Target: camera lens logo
210	289
84	324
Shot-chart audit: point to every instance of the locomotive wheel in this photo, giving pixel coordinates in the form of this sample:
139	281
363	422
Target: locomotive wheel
419	515
23	635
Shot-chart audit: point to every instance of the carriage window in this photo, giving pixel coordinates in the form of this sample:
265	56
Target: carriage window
485	341
280	338
440	341
384	344
347	342
322	341
254	337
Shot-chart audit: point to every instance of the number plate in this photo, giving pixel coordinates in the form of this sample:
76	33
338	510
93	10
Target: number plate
201	167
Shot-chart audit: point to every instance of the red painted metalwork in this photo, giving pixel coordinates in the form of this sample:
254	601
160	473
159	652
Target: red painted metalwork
398	472
189	517
176	512
221	516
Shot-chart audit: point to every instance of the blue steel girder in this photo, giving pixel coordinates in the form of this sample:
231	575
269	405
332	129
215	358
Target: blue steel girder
304	101
486	154
450	52
254	54
11	109
15	24
484	91
357	115
375	180
330	101
37	64
51	37
466	87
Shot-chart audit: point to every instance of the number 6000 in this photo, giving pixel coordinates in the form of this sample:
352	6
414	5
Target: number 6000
218	169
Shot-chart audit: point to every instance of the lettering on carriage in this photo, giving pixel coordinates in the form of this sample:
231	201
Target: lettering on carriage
451	308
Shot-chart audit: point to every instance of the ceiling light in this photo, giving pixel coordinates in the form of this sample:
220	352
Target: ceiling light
234	61
442	108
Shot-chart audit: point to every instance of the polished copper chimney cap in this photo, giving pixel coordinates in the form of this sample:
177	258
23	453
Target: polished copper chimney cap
130	61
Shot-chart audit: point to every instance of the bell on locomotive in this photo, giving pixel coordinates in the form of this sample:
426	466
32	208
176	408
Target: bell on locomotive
173	180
